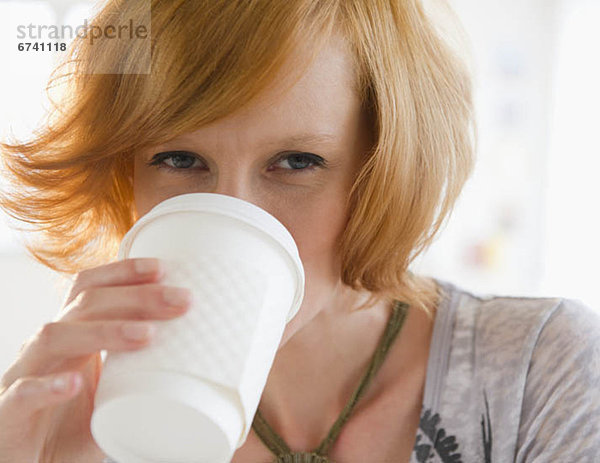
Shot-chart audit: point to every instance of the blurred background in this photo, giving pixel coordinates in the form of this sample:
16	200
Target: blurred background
527	223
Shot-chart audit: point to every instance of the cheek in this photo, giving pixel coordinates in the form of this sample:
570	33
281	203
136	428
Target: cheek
149	190
316	231
143	198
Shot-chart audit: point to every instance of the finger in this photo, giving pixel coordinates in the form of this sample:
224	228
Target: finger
122	272
57	342
141	302
27	395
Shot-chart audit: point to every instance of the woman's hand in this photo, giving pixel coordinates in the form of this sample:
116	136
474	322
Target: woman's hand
47	394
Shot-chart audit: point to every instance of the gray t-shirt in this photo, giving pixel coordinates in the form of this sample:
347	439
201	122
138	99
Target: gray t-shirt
511	379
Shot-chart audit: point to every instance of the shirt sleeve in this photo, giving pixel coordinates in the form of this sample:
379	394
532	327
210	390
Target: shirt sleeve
560	416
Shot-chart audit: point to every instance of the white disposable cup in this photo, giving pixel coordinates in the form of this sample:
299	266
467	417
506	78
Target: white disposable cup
190	395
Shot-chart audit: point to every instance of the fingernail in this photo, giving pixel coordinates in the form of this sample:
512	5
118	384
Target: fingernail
177	296
145	266
137	331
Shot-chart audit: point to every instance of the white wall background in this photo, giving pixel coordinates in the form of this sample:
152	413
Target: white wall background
527	222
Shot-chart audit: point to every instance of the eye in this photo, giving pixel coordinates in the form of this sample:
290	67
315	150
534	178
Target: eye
183	161
298	160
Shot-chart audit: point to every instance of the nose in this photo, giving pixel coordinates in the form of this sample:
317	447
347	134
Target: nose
238	185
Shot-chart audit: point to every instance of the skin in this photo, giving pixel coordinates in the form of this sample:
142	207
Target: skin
325	348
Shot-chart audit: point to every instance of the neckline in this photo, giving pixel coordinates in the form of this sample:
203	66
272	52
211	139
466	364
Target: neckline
278	446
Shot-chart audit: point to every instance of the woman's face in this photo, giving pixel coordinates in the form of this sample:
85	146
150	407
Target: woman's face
269	154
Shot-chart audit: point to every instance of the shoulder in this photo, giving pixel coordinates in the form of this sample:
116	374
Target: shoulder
526	330
539	360
497	316
572	320
495	325
567	350
527	367
496	320
538	324
560	419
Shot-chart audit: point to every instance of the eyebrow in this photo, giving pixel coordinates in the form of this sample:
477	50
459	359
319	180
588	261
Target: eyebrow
308	138
301	138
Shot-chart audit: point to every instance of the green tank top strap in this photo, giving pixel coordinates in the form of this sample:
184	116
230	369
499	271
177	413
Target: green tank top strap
277	445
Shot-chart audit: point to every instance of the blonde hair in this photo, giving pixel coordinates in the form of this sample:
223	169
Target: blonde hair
73	180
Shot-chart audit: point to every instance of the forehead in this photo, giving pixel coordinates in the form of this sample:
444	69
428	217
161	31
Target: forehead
322	101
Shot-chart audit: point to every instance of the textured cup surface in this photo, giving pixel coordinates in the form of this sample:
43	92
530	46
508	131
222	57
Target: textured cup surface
192	393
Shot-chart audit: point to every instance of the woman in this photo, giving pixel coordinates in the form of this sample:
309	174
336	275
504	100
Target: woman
351	123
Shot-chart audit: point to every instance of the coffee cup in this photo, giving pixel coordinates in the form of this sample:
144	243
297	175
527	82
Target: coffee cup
190	395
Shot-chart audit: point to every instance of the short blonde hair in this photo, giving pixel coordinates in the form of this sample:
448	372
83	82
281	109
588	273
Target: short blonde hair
73	180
